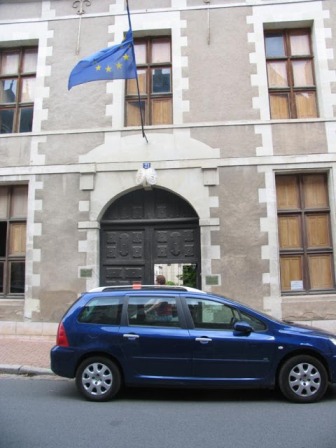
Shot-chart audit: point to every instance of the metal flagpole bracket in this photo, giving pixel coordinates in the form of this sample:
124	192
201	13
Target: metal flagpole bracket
80	11
79	4
207	2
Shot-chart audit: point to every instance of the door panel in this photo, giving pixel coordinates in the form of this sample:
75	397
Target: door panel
127	245
153	343
219	352
176	243
156	353
227	356
122	256
129	254
122	275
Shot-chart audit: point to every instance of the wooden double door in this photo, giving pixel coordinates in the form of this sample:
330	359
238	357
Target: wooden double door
143	229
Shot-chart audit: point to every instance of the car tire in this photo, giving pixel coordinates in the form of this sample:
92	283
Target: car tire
303	379
98	379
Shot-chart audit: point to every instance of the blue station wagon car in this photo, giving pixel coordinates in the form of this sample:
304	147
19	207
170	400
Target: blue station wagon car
182	337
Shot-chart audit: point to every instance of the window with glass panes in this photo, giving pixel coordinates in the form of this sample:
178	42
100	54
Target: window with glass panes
153	58
13	217
290	72
17	83
306	251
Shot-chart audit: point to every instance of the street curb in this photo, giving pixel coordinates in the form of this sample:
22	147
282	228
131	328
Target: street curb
17	369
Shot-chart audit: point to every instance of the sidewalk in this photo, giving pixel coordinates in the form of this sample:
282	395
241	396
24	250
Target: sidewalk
26	355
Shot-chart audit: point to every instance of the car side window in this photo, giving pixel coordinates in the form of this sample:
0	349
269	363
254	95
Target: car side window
102	310
213	315
255	323
153	311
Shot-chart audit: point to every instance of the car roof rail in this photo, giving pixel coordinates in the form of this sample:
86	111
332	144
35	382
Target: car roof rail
139	286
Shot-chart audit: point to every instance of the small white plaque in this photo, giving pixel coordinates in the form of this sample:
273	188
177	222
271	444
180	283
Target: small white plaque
296	285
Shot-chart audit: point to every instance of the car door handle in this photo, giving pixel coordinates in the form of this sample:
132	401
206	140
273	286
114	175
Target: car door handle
203	340
131	336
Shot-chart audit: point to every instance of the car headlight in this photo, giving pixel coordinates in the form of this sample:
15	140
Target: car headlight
333	340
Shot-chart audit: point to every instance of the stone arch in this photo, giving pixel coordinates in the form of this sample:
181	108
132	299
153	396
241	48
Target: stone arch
146	228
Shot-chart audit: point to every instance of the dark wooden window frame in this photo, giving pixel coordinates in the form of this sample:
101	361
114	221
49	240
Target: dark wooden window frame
18	105
6	258
150	96
302	212
289	59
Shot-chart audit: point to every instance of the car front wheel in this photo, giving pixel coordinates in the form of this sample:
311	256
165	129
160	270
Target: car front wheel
98	379
303	379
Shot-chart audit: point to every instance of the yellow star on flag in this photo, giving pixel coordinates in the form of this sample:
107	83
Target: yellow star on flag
108	69
98	67
119	65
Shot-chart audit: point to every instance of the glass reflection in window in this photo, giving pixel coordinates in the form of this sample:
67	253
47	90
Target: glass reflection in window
274	46
8	90
161	80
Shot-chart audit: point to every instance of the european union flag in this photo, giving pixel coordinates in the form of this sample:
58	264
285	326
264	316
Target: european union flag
115	62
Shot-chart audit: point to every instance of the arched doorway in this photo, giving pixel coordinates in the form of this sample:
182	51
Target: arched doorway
144	229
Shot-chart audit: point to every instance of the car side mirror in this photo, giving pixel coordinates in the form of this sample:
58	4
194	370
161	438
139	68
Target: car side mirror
243	327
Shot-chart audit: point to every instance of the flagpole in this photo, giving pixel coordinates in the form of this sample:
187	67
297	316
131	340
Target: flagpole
137	79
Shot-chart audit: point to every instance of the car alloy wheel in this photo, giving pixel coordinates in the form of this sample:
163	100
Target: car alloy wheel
303	379
98	379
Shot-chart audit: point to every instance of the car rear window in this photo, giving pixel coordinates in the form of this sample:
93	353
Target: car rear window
102	310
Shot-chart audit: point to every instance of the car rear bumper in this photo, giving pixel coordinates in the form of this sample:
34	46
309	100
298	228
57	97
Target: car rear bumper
63	361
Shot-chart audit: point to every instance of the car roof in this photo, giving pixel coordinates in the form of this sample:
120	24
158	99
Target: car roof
139	287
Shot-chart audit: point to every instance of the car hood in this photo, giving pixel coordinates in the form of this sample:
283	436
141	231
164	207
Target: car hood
308	330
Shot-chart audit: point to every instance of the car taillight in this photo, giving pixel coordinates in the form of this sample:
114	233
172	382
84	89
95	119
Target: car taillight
62	338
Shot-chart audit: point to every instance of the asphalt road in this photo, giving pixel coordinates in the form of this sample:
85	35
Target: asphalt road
40	412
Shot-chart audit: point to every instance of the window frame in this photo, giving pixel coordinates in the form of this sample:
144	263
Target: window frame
88	313
148	99
237	315
11	222
18	106
151	301
301	248
291	90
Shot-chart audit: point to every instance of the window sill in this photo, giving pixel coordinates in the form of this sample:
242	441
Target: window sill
7	299
309	297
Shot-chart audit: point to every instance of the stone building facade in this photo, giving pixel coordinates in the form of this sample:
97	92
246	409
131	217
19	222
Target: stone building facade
241	148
